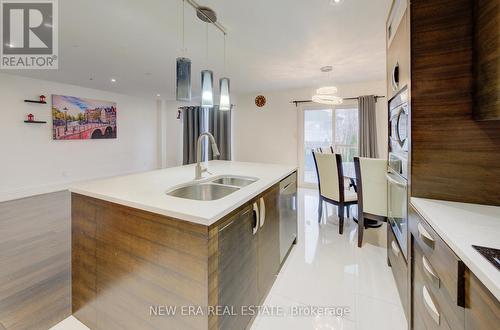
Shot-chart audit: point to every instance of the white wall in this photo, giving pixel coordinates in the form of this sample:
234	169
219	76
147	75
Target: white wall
270	134
173	134
32	163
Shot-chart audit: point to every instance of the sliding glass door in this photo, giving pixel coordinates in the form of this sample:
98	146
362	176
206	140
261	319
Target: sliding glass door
325	127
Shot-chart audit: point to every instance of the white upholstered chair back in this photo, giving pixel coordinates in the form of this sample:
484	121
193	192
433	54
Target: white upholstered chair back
374	185
328	178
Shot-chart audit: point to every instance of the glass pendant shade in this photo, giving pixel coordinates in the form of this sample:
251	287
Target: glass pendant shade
225	99
183	79
207	89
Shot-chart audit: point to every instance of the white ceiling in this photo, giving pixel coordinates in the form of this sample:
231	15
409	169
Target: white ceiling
271	44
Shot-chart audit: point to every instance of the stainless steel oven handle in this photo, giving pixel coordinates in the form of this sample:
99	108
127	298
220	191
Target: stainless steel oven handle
394	181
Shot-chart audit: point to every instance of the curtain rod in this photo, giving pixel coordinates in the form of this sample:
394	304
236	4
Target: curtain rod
297	102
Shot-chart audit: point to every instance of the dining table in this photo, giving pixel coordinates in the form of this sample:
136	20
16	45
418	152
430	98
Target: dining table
350	173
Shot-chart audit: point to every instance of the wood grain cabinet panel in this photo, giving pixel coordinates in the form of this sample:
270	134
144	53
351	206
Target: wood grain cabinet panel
127	262
268	241
448	267
454	157
482	308
399	269
450	313
398	54
238	264
487	59
427	311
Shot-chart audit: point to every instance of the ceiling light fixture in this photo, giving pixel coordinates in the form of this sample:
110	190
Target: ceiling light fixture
327	99
183	68
113	80
224	87
207	83
336	2
325	95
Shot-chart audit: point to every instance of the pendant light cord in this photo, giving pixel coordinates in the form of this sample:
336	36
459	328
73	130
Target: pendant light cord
224	68
206	55
183	29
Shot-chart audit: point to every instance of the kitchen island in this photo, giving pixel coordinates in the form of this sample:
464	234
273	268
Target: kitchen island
144	259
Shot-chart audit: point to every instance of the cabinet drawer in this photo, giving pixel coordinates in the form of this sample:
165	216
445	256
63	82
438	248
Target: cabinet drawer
399	268
427	310
424	271
448	267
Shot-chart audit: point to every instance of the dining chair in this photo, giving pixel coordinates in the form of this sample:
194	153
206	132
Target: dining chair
331	185
327	150
372	191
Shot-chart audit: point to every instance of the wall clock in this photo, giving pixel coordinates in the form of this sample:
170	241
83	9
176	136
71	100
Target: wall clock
260	101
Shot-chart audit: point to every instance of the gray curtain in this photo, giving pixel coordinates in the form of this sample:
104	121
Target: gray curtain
367	127
197	120
219	124
192	122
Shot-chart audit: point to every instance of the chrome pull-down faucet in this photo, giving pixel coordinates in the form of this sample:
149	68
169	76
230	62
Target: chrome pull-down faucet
200	169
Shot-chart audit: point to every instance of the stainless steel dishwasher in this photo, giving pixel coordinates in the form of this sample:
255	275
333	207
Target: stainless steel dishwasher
288	214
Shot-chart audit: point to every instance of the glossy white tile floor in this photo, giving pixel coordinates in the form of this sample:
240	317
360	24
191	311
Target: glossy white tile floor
328	270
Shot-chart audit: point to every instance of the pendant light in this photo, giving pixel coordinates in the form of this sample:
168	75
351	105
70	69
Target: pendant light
325	95
207	89
183	69
207	84
224	87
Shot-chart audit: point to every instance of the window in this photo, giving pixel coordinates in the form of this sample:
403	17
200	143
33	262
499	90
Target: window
325	127
346	133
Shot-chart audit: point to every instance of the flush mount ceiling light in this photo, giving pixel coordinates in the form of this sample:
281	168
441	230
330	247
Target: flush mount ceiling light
336	2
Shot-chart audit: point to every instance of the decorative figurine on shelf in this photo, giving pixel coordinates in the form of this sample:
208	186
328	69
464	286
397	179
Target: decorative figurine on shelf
31	117
42	98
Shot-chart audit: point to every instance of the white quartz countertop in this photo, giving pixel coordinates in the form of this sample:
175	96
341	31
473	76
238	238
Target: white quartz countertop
462	225
147	191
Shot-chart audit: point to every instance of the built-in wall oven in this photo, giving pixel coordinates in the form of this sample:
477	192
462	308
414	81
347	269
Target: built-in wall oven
397	174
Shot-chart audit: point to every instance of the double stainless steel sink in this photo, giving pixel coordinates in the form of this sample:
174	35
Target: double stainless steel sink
212	189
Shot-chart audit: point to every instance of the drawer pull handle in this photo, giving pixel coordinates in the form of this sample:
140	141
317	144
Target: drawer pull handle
425	236
256	217
430	272
430	306
395	248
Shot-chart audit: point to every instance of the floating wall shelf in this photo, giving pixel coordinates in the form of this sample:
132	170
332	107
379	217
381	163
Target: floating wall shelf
35	122
33	101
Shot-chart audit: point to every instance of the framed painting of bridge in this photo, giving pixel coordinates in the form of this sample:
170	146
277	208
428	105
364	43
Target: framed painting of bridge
76	118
